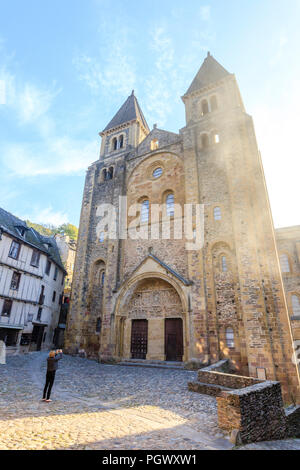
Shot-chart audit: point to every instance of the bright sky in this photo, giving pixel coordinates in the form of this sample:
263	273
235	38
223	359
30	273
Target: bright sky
68	65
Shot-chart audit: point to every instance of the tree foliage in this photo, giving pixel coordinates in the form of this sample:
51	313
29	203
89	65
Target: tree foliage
50	230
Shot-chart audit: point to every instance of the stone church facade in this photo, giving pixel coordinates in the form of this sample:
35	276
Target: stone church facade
288	245
153	299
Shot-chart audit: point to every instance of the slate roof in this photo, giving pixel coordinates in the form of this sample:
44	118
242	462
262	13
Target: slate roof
10	224
210	72
129	111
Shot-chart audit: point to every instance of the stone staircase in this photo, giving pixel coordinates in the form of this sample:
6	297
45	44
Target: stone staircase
152	364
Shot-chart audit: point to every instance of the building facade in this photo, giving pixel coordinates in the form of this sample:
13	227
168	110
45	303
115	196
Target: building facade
67	250
156	299
31	286
288	243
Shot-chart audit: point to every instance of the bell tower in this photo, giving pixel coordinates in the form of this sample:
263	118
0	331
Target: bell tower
125	131
241	311
213	89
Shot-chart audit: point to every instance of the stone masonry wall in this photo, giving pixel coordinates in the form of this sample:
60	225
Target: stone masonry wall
226	380
288	243
256	411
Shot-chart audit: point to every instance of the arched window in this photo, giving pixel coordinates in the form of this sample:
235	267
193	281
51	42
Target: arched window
121	141
145	211
229	337
102	237
204	141
114	143
154	144
204	106
213	103
285	264
102	278
104	174
296	305
216	138
170	204
217	213
224	266
98	325
111	173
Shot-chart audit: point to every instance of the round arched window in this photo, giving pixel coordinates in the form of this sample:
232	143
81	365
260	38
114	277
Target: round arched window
170	205
157	173
145	211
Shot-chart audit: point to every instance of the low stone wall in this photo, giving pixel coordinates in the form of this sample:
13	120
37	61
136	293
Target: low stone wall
256	412
212	380
249	408
226	380
206	389
221	366
293	421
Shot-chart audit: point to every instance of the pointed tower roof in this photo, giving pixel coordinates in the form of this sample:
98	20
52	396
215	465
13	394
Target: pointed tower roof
210	71
129	111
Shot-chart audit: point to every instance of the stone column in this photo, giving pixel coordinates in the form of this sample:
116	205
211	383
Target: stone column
127	339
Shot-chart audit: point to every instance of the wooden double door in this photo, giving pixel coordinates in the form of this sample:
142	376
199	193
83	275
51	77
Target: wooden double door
173	339
139	339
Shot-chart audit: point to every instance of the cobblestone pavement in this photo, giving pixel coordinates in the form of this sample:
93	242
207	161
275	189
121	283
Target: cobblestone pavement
99	406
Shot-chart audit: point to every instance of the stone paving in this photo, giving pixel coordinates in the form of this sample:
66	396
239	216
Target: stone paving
98	406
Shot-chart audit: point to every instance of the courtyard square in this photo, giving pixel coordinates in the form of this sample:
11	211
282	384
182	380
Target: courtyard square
107	407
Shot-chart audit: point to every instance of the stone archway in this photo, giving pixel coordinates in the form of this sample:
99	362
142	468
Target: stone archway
152	301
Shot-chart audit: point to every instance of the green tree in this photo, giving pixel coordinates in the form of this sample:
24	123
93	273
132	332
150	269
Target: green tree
49	230
68	229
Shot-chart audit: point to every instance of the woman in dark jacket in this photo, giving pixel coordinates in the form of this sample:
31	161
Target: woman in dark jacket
52	366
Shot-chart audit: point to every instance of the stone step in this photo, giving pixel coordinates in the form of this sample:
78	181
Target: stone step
207	389
152	364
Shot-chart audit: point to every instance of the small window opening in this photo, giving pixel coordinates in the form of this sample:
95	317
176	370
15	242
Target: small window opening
157	173
230	337
204	141
285	264
98	325
110	173
224	264
296	305
205	109
213	103
217	213
154	144
216	138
